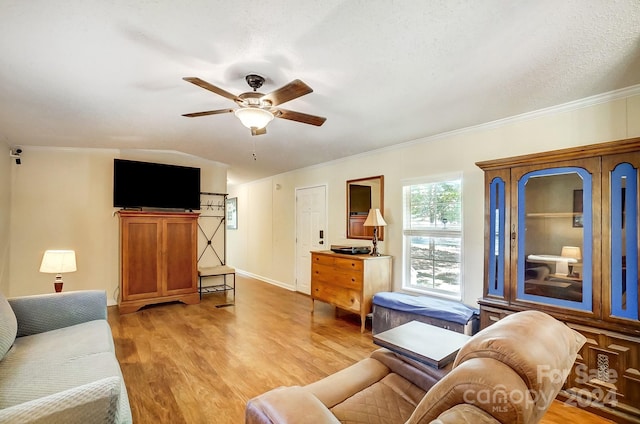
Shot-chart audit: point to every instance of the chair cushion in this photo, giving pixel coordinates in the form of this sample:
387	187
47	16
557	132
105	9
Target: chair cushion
465	414
486	384
391	400
539	348
287	405
8	326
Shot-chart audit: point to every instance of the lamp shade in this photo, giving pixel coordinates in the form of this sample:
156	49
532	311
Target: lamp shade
253	117
374	219
58	261
571	252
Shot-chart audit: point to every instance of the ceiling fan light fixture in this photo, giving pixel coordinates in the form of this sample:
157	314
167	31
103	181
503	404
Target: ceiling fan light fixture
253	117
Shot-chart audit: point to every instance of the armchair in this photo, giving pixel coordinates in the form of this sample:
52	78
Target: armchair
509	372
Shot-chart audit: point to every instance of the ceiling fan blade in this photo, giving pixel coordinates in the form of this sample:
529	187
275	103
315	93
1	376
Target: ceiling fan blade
212	88
294	89
209	112
300	117
258	131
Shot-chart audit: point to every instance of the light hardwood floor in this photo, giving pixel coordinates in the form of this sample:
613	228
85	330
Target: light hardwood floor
201	363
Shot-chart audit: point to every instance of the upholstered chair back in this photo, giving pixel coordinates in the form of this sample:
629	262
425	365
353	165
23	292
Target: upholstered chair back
510	371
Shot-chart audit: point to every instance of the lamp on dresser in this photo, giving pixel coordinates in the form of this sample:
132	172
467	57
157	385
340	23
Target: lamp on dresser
375	220
58	262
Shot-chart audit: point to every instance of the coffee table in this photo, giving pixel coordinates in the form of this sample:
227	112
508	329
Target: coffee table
422	342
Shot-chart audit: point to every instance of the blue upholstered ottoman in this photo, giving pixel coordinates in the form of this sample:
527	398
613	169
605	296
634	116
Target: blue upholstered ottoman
391	309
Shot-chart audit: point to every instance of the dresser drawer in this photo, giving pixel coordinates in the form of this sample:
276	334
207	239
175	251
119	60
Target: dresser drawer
341	297
344	278
339	263
348	265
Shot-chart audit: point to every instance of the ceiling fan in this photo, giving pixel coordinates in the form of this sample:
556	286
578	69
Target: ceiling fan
255	109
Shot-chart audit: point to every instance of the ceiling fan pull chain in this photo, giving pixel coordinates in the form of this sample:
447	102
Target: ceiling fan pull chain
254	150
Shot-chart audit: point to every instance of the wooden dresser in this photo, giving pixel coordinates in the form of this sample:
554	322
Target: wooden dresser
158	259
349	281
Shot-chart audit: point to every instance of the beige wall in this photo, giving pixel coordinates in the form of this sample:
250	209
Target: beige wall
5	213
63	199
264	244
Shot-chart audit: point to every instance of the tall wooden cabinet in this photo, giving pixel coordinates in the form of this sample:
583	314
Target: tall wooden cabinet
561	236
158	259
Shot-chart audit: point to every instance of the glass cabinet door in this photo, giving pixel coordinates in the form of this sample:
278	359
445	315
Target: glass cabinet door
496	261
621	235
555	222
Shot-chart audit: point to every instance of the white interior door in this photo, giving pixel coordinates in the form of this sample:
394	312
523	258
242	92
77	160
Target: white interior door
311	231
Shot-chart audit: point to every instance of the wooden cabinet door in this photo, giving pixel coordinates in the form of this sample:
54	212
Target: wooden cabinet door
141	258
180	266
544	212
621	239
497	235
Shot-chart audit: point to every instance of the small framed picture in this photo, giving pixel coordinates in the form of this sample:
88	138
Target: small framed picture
577	209
232	213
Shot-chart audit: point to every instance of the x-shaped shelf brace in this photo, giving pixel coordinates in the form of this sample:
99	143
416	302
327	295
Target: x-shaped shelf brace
209	239
212	206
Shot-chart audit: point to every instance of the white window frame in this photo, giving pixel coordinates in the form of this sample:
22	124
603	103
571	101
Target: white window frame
406	232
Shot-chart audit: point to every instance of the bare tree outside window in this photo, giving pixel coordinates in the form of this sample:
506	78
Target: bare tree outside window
433	237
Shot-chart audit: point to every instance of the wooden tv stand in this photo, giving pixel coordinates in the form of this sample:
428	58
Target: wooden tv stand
158	259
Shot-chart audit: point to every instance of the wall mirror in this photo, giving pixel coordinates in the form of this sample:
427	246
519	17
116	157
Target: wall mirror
364	194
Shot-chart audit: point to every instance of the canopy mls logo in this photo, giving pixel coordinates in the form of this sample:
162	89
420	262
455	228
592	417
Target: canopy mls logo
500	399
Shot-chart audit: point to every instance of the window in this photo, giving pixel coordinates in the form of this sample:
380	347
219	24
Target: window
432	229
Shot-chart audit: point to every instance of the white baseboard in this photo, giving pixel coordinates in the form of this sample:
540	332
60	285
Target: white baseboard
266	280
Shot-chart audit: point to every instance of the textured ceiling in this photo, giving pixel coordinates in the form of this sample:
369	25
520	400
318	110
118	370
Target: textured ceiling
108	74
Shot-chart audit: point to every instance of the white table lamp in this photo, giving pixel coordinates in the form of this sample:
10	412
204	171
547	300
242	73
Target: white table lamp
58	262
572	255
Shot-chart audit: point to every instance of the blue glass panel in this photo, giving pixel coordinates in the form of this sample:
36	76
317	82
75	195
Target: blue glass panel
587	250
497	235
624	242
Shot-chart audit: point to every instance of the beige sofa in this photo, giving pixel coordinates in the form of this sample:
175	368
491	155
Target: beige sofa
507	373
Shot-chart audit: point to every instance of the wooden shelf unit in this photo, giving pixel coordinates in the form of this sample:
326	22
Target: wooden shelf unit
606	376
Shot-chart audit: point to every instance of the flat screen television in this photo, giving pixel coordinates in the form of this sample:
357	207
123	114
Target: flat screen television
154	185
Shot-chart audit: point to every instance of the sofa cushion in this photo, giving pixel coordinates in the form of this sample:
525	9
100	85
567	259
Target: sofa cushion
90	403
47	363
8	326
